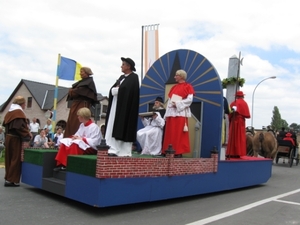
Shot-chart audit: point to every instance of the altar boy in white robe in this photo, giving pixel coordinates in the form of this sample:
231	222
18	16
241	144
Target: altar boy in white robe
83	142
150	137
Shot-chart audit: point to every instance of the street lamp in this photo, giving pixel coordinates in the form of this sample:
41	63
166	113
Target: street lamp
273	77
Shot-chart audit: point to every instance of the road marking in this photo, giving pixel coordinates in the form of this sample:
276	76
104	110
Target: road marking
242	209
287	202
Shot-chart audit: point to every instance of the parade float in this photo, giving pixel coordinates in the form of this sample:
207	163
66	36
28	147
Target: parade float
103	181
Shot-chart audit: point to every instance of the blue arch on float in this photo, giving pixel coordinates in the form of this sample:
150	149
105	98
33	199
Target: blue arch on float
202	75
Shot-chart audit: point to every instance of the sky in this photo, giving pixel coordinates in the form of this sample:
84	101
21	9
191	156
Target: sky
98	33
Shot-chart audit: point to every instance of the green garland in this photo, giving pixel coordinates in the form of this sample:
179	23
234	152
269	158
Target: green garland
232	80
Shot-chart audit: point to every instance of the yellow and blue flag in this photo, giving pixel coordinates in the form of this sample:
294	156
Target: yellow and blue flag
69	69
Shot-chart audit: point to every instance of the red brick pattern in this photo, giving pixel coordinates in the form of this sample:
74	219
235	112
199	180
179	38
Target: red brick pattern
125	167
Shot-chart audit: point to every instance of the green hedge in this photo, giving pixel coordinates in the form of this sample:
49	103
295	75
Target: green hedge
36	156
82	164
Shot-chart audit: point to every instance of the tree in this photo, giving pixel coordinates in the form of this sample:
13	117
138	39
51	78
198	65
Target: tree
295	126
284	124
276	121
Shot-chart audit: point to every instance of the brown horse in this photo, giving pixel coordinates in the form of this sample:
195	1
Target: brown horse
265	144
249	140
249	144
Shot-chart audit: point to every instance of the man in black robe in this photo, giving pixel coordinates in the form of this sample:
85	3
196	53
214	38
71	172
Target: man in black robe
122	112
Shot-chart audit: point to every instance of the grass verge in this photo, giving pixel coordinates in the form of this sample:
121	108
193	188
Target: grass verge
2	158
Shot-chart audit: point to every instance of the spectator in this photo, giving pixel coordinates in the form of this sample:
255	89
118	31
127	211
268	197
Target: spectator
39	122
34	127
48	126
57	137
49	137
40	140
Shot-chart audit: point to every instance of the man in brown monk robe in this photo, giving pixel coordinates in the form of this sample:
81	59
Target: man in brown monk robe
82	94
16	131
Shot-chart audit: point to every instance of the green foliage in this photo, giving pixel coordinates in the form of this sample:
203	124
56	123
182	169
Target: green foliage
233	80
276	121
2	158
284	124
295	126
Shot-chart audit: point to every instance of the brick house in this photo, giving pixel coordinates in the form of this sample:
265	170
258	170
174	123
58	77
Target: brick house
40	99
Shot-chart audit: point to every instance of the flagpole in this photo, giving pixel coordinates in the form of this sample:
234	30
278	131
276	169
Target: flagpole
55	96
147	47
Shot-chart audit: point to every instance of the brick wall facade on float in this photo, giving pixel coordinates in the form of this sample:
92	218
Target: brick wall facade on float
127	167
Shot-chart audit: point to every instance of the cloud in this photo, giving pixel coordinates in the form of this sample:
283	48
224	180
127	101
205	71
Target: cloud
97	34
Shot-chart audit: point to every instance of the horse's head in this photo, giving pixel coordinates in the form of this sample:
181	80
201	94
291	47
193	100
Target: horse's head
250	130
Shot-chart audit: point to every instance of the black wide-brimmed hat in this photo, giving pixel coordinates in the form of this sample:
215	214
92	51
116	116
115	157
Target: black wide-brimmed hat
130	62
159	99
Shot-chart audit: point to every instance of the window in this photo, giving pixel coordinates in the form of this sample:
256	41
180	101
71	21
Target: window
29	102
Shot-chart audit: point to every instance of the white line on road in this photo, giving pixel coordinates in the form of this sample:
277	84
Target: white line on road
287	202
242	209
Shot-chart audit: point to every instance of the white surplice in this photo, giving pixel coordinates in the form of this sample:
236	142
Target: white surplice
117	147
150	137
91	133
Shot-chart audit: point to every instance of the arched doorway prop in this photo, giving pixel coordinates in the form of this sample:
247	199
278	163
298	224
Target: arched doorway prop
207	108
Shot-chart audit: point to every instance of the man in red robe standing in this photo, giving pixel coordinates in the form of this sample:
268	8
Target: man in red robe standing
177	113
237	129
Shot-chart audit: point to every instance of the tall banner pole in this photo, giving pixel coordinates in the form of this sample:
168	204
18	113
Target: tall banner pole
156	42
150	46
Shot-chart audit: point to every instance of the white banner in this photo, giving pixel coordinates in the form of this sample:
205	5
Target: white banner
151	52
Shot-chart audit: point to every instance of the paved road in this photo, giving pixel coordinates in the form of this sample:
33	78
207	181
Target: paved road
276	202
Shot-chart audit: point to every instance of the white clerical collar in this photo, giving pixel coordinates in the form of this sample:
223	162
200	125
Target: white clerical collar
14	107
